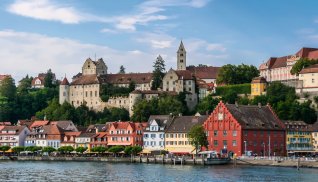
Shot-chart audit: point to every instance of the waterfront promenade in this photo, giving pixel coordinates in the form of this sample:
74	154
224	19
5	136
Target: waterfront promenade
274	161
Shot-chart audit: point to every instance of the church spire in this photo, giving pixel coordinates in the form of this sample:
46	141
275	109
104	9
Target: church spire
181	57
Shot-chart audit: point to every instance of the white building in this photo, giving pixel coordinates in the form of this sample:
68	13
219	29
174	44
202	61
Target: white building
13	136
154	134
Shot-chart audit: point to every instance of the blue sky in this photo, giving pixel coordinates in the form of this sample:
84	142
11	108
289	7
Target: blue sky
36	35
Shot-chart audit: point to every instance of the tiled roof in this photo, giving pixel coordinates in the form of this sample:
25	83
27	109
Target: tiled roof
162	120
126	78
184	74
65	81
92	128
208	72
38	123
2	77
17	129
259	80
72	133
62	124
278	62
310	69
183	124
86	135
85	80
5	123
255	117
297	126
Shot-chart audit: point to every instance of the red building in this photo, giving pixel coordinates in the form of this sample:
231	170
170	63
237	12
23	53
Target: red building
250	129
125	133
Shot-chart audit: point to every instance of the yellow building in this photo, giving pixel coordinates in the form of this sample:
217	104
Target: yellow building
258	86
176	136
298	137
314	135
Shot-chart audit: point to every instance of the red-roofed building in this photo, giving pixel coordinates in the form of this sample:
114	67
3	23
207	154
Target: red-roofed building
125	133
69	138
37	124
2	77
38	82
245	130
308	79
278	68
99	140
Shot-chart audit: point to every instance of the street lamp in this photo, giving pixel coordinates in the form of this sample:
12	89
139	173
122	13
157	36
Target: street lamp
245	147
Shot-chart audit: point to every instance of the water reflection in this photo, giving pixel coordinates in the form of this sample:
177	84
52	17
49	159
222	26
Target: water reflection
100	171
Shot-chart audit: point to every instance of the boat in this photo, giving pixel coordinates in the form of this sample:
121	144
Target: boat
213	158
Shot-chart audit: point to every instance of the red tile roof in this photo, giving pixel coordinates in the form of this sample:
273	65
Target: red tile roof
17	129
138	78
208	72
259	80
184	74
85	80
310	69
38	123
65	82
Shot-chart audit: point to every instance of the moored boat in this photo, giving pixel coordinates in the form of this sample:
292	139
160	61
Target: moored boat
213	158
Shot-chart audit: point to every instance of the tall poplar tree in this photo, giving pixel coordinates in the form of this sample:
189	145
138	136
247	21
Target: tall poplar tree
158	73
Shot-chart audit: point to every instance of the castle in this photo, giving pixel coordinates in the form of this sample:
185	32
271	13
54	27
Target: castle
85	87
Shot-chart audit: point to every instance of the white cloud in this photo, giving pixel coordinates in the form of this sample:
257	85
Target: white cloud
156	41
45	10
107	30
29	53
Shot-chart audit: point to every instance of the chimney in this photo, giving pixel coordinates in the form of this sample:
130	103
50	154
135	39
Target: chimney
259	105
180	114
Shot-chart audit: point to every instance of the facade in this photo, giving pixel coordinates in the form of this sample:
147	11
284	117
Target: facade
314	133
244	130
176	135
154	133
125	133
309	79
49	135
299	137
69	138
84	140
278	68
99	140
13	136
258	86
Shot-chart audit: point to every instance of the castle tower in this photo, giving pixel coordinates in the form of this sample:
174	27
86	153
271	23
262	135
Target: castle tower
181	58
64	91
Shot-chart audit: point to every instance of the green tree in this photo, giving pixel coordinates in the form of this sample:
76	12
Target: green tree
49	150
127	150
301	64
230	97
197	137
18	149
33	148
65	149
232	74
132	86
122	69
158	73
25	84
116	149
99	149
81	149
48	79
207	104
4	148
136	149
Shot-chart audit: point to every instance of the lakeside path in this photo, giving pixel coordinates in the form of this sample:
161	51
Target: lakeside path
159	160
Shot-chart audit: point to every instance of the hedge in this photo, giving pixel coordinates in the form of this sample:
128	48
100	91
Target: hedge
239	89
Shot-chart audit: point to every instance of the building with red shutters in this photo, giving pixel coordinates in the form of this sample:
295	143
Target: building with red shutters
125	133
245	130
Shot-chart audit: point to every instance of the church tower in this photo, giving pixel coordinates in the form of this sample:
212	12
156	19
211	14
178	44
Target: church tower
181	58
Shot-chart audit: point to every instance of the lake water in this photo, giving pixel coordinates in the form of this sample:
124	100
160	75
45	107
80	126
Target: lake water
102	171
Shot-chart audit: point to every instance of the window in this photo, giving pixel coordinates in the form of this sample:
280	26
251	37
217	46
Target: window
245	133
224	142
234	133
181	61
146	135
224	133
153	135
215	143
215	133
234	143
